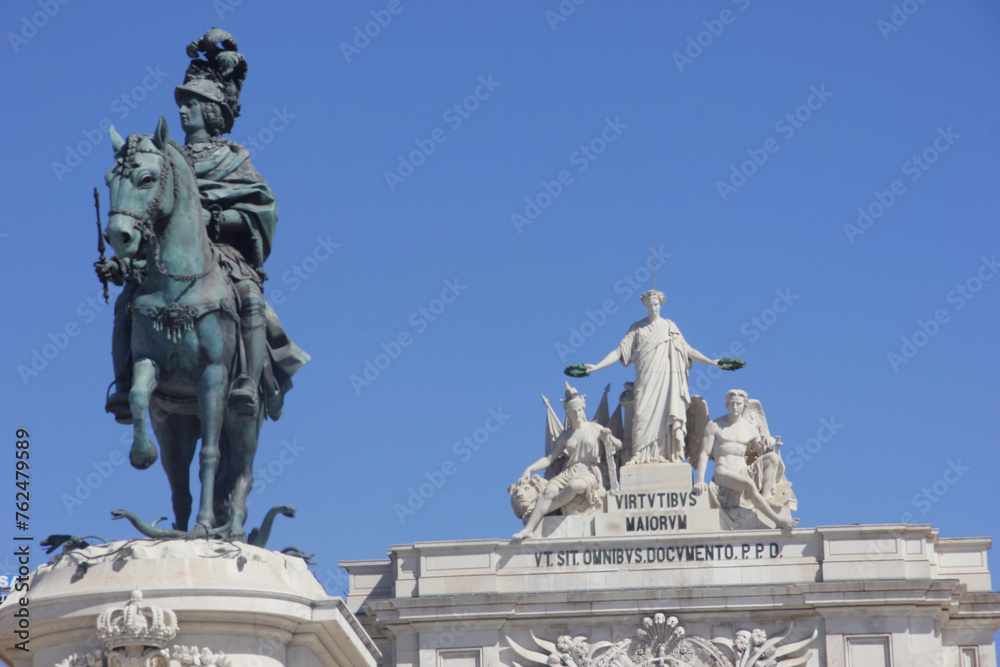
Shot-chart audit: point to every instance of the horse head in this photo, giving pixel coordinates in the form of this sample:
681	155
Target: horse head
144	185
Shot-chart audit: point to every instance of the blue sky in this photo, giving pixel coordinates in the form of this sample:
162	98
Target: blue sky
487	181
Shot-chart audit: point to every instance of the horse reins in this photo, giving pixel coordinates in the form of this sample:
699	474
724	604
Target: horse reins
145	222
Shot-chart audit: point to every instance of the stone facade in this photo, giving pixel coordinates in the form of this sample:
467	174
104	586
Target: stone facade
874	595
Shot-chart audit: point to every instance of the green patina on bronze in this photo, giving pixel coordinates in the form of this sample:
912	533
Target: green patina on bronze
194	341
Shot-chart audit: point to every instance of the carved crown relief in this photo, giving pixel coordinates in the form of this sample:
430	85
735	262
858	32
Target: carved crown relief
136	635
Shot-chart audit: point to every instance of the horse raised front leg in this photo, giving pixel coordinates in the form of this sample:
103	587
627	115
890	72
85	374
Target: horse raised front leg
144	376
211	402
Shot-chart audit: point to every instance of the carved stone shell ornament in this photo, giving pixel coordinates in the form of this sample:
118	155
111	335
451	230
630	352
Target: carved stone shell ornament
660	641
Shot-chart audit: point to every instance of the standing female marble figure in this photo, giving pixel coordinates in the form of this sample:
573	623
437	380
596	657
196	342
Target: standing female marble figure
662	359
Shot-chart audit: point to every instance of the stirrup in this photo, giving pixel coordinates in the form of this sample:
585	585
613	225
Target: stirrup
118	405
243	397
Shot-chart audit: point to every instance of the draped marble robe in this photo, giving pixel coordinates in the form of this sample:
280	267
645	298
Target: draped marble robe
661	359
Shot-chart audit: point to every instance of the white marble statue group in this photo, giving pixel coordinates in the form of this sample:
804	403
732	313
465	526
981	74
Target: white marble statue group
657	421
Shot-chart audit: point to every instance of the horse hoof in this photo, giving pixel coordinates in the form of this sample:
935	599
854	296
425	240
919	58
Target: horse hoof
199	532
142	458
236	535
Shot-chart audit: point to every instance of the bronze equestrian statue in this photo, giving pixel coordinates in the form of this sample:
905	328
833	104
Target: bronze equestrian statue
194	338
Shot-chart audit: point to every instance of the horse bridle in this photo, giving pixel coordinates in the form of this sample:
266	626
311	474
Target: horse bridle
145	222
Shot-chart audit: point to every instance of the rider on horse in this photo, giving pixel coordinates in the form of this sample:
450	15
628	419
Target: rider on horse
241	213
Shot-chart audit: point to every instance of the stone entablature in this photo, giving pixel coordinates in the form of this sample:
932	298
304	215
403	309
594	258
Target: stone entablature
897	588
823	554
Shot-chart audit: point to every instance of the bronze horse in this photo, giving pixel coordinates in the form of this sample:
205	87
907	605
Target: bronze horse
185	338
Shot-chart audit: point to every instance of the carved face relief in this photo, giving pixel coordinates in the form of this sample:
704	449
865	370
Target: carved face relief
192	118
736	405
576	415
524	495
653	304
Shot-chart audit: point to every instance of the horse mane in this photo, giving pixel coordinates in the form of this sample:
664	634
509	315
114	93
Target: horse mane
124	154
177	149
170	152
180	149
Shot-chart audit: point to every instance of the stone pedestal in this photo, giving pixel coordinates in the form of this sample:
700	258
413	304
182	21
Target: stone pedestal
654	498
656	477
256	607
657	498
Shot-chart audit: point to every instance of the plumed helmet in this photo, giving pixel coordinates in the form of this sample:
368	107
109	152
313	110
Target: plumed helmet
218	76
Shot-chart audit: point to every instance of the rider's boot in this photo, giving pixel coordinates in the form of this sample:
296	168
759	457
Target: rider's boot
121	347
118	405
243	396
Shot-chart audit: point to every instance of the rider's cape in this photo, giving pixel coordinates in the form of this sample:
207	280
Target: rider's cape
227	179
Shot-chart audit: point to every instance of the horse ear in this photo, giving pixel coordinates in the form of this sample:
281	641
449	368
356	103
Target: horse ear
116	139
162	135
